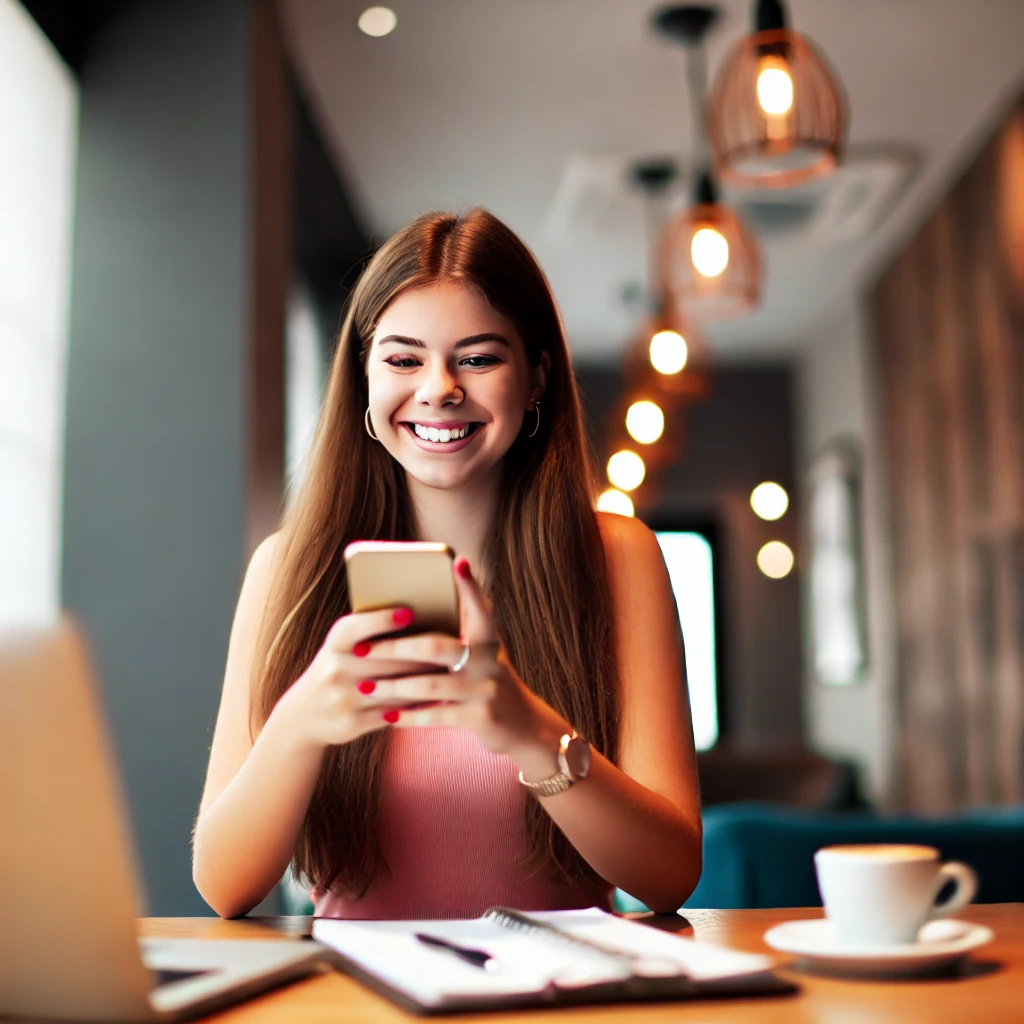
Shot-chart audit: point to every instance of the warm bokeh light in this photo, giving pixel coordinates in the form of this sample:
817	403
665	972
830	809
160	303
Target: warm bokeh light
769	500
709	251
626	470
645	422
377	21
774	87
668	352
775	559
617	502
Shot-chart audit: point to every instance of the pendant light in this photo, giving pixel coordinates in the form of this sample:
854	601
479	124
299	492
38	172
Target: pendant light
667	341
709	265
710	262
776	114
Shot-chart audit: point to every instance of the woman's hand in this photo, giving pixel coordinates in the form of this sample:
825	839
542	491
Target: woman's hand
485	695
329	703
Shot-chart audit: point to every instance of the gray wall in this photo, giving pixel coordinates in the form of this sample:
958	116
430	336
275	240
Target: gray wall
838	397
153	518
742	435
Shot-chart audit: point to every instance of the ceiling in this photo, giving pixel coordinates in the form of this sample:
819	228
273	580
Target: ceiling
487	101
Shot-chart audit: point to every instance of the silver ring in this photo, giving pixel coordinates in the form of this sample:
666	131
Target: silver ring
463	659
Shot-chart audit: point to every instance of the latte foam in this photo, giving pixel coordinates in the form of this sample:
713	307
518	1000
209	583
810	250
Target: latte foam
881	852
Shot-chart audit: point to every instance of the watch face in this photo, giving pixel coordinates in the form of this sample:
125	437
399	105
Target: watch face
577	757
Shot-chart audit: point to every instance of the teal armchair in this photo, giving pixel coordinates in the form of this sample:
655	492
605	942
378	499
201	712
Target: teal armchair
756	855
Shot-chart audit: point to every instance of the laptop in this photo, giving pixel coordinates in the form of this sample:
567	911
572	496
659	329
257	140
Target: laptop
69	881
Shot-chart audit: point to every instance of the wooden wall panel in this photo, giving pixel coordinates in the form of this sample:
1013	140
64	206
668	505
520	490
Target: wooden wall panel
949	319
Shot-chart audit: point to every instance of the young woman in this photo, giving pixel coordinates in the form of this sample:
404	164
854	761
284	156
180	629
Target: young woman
560	762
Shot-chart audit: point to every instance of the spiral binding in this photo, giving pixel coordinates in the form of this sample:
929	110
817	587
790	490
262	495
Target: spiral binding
514	920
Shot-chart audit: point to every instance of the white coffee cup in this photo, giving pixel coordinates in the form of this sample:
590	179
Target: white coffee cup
881	895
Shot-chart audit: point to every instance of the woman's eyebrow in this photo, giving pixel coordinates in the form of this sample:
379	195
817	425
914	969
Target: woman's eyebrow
473	339
401	339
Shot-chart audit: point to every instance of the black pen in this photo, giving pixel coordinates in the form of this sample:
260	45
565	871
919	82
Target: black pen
476	957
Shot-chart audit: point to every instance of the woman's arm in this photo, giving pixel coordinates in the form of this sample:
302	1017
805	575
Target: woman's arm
256	795
638	825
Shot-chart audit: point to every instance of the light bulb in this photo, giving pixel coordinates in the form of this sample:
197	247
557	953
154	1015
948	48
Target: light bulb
377	21
709	251
645	422
775	559
617	502
668	352
626	470
769	500
774	86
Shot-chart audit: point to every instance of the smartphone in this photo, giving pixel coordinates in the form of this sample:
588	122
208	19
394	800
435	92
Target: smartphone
405	574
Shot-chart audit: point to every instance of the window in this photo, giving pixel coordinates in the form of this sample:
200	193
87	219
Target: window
690	562
304	382
38	137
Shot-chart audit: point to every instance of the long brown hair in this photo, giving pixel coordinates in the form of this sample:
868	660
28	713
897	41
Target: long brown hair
546	573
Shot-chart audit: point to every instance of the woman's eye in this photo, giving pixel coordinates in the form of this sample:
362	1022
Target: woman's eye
476	362
402	362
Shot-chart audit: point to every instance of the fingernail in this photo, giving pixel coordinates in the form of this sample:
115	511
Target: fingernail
403	616
390	716
362	649
462	568
366	686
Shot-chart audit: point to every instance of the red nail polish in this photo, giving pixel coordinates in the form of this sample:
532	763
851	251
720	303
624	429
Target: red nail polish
366	686
462	568
362	649
391	715
403	616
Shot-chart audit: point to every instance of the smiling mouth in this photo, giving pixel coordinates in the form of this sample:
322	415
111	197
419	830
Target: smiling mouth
442	435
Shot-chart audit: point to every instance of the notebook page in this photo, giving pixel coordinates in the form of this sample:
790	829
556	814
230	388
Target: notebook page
389	951
701	961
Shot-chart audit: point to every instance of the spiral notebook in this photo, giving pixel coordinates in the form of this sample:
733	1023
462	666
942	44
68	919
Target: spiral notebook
537	959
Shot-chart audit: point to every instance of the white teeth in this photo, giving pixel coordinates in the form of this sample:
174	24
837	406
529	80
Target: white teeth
438	435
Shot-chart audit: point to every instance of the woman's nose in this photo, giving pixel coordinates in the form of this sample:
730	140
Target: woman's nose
440	388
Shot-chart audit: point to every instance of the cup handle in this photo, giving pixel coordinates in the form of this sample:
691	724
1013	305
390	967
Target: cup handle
966	886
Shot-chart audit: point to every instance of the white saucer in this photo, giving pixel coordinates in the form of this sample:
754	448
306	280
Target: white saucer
939	944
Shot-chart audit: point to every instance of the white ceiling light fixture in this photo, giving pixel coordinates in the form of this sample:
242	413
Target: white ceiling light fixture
377	21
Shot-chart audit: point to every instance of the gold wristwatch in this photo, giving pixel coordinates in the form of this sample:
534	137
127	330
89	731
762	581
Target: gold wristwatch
573	765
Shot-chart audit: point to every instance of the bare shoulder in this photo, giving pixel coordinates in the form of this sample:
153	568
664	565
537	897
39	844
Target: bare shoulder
260	572
252	599
264	558
637	575
629	544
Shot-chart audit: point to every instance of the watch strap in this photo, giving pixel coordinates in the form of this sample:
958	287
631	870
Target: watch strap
562	779
551	786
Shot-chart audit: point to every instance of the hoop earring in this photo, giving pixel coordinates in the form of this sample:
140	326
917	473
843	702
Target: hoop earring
536	425
366	421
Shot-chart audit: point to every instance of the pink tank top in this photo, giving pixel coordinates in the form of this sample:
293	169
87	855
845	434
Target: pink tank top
452	832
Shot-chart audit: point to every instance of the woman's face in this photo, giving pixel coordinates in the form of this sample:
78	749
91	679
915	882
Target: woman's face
449	384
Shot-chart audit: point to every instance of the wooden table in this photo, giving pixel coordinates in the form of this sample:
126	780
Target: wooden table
988	987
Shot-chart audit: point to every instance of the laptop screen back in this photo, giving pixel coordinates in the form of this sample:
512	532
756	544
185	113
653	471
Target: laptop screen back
69	883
